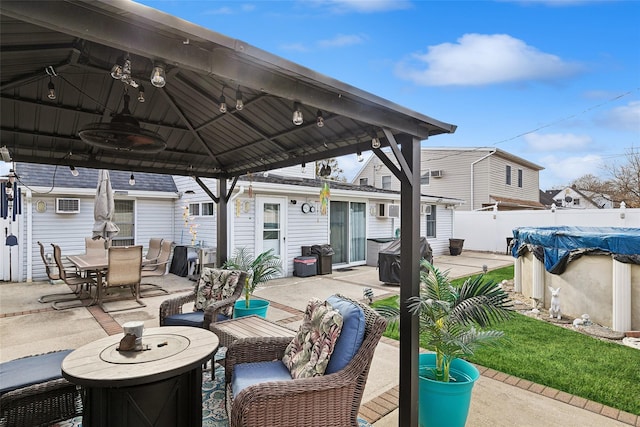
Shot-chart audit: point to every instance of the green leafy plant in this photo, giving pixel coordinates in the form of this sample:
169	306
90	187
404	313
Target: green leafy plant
260	269
450	316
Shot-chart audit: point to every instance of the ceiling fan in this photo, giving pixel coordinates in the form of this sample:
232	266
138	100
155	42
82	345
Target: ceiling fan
122	133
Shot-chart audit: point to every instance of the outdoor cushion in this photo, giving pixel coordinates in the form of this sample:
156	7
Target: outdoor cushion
246	374
351	336
215	285
31	370
308	353
195	319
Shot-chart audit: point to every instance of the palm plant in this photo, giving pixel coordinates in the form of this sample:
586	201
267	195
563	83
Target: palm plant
260	269
449	316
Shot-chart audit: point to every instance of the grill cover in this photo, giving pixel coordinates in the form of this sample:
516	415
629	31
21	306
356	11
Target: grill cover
389	260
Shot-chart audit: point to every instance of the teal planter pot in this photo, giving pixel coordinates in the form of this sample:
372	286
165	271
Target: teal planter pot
445	404
256	306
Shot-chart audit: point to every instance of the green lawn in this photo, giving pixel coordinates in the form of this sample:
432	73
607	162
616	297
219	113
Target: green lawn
569	361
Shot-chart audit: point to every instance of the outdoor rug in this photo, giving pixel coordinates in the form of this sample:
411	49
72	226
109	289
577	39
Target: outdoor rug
214	413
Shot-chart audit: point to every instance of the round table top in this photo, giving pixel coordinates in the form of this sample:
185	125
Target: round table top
167	351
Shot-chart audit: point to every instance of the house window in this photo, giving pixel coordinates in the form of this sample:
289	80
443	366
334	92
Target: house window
123	217
364	181
508	175
386	182
194	209
576	201
520	178
207	209
424	179
431	222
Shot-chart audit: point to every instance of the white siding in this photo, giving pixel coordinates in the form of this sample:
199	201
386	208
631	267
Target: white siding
154	218
304	229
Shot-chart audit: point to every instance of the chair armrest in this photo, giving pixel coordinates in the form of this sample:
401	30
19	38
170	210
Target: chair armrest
174	305
246	350
282	400
212	311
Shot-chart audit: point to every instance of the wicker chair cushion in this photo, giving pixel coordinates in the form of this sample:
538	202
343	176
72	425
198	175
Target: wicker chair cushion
352	335
308	353
195	319
215	285
246	374
31	370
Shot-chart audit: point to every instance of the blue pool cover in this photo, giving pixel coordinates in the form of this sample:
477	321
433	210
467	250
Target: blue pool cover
557	246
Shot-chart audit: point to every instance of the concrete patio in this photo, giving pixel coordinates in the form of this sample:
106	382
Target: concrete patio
28	327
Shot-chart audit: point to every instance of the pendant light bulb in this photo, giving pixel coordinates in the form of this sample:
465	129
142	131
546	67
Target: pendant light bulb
132	180
158	78
375	142
303	167
319	119
239	101
223	104
297	115
359	157
141	94
52	90
74	171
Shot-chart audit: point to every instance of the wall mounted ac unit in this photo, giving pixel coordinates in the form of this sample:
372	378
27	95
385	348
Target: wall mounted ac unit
393	211
437	173
67	206
425	209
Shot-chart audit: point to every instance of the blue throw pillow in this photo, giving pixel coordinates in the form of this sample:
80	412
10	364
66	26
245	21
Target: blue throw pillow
353	326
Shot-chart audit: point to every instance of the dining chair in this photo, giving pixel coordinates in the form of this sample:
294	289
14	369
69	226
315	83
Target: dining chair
124	269
94	247
53	275
71	279
155	248
159	267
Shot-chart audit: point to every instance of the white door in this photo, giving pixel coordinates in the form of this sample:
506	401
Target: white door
271	227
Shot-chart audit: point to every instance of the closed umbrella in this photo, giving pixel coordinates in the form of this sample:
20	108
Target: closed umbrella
103	209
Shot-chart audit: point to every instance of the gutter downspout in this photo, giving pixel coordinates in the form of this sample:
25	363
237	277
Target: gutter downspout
29	215
472	165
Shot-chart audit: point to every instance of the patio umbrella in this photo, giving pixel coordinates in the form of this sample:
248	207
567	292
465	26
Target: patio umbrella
103	209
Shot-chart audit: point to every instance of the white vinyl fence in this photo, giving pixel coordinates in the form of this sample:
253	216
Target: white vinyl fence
488	230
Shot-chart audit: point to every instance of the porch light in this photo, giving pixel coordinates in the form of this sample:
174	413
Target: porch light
319	119
297	114
158	77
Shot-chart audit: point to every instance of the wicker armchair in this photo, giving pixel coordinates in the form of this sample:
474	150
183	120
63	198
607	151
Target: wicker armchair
42	403
327	400
171	313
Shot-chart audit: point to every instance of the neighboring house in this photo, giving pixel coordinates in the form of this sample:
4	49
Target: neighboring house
482	177
574	198
285	213
546	198
281	209
57	207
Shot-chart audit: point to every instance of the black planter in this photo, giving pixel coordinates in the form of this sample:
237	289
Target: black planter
455	246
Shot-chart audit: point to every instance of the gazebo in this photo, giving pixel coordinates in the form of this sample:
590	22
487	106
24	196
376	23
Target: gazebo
111	84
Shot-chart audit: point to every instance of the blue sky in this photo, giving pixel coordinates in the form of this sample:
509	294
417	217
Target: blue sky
555	82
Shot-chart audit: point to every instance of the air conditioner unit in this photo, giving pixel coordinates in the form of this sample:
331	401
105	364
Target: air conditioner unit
425	209
67	206
393	211
437	173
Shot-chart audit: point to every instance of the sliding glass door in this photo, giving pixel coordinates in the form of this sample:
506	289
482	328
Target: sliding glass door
348	231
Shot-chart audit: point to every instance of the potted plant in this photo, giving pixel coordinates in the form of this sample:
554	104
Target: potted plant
453	322
260	269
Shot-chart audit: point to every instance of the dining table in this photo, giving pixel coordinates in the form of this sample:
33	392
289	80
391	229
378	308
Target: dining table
158	384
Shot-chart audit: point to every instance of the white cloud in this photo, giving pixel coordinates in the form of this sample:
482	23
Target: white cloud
295	47
481	59
341	40
362	6
626	117
564	170
219	11
557	142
